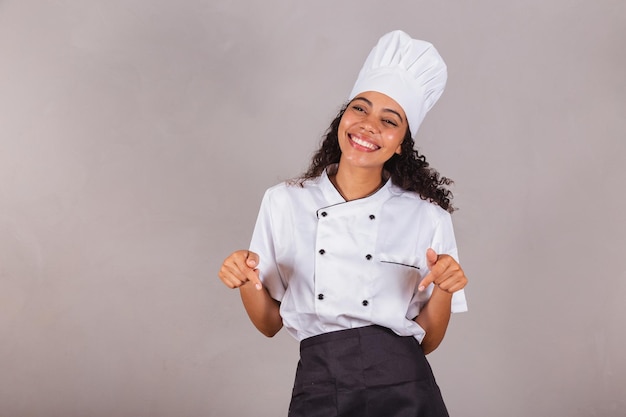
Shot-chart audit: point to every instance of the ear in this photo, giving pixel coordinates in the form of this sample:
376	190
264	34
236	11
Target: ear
399	149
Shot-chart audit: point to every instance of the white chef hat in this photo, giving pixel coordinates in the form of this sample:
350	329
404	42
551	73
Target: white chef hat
408	70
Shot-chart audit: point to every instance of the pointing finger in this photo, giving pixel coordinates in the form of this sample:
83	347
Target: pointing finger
252	260
428	279
252	275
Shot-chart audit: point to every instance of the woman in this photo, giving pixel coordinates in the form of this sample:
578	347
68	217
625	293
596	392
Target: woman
357	258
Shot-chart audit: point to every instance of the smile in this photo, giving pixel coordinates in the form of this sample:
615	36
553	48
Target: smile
363	143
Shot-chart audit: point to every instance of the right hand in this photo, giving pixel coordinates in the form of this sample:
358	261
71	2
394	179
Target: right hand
239	268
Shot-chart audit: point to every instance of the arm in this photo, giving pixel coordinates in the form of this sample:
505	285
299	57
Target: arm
434	319
448	277
239	271
263	310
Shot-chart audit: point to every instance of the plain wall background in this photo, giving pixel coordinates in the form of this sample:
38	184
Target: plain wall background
137	138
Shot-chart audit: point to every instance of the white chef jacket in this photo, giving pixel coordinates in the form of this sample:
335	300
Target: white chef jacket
336	264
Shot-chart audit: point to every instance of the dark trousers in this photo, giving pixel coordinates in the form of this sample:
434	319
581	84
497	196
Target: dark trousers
364	372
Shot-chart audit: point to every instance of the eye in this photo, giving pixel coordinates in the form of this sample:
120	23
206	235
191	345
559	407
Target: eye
358	108
390	122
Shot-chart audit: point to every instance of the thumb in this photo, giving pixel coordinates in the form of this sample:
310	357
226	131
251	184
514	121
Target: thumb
252	259
431	260
431	257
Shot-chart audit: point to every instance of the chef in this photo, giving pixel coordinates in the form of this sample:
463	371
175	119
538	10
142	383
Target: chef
357	258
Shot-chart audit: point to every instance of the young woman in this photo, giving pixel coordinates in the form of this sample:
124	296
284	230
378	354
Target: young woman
357	258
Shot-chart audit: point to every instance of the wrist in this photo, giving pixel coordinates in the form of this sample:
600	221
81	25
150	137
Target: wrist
439	293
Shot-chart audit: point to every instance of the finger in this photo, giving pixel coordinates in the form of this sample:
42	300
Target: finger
239	268
234	283
428	279
447	269
252	275
454	283
456	287
252	259
233	270
439	272
431	257
231	276
431	261
255	279
451	287
446	285
452	279
230	281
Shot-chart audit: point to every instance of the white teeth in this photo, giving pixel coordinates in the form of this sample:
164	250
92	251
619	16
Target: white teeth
364	143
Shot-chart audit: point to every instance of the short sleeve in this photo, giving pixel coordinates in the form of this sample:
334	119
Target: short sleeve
444	242
263	244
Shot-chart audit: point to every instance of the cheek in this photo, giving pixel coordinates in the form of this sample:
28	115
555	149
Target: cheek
343	124
394	141
400	140
342	133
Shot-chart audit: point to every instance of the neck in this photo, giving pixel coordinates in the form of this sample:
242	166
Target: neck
355	183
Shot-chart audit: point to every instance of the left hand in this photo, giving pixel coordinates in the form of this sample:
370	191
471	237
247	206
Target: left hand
445	273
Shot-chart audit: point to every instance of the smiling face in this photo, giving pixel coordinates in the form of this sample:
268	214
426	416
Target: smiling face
371	130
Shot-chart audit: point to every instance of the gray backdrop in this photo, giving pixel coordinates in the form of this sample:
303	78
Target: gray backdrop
137	138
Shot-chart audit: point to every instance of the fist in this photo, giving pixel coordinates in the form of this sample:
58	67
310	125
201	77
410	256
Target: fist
239	268
445	273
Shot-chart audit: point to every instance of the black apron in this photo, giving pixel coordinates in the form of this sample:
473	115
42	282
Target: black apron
364	372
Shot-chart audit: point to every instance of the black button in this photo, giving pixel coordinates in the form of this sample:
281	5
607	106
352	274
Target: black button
365	303
368	256
324	214
320	296
322	251
372	217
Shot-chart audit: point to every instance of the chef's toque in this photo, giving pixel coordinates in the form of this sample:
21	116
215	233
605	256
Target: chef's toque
410	71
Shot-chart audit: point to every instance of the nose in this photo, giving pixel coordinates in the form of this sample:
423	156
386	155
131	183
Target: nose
368	125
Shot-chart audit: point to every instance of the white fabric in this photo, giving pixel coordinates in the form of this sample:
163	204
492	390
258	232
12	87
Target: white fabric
410	71
393	226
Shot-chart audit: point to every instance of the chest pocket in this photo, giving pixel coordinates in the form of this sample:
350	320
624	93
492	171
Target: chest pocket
401	253
398	277
405	264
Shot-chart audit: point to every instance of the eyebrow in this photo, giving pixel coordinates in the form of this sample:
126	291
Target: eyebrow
385	109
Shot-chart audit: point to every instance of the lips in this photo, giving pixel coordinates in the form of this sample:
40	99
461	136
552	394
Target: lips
361	142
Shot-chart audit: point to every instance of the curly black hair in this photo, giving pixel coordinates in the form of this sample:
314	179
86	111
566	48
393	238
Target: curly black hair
409	170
